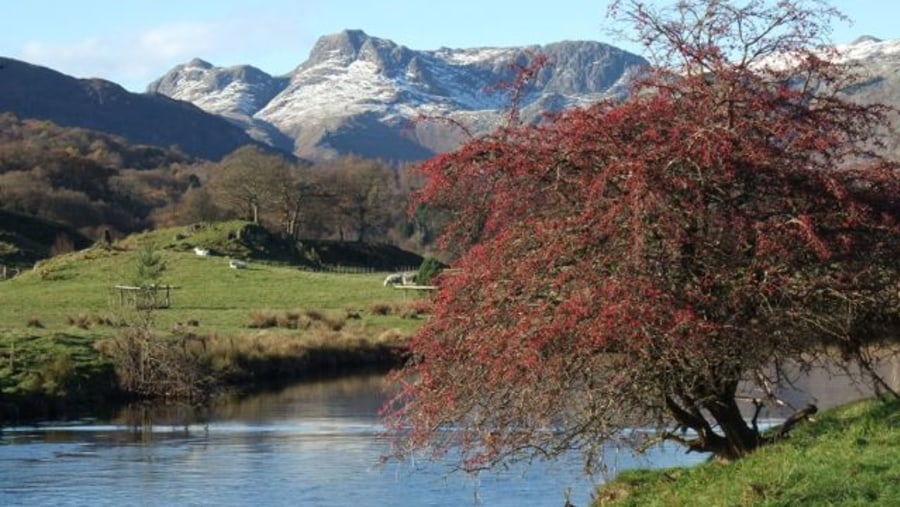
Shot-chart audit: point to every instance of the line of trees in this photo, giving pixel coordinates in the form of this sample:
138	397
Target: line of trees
349	198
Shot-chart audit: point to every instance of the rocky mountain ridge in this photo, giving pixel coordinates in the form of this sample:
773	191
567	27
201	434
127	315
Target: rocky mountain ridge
362	94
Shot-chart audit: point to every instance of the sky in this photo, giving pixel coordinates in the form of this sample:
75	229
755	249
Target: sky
133	42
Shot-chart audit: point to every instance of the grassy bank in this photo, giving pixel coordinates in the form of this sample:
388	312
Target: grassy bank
268	322
847	456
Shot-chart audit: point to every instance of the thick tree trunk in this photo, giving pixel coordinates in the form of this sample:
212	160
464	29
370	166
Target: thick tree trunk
728	435
740	438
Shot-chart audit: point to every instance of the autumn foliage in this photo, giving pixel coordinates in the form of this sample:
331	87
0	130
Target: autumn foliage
644	263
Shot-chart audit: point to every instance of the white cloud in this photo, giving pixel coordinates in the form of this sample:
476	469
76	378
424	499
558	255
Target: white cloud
134	59
177	40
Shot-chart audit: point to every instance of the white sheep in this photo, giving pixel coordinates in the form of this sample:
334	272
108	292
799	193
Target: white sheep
393	278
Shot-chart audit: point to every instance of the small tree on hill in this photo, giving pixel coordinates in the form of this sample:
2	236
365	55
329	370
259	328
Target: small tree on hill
635	264
148	271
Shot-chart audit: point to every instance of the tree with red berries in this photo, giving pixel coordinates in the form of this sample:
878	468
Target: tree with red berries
646	263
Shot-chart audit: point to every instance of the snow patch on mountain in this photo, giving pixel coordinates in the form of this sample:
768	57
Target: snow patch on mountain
867	48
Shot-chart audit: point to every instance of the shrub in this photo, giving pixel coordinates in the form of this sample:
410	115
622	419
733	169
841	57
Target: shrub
289	320
79	321
62	245
381	309
334	323
315	315
263	319
429	268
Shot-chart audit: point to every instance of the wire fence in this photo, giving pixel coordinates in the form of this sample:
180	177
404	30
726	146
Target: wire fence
333	268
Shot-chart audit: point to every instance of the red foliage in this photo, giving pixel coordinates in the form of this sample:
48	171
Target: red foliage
631	263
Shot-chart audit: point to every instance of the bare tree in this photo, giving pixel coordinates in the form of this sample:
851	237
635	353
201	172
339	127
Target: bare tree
365	195
247	181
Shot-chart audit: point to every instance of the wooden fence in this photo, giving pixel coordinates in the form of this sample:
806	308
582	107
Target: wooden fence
142	298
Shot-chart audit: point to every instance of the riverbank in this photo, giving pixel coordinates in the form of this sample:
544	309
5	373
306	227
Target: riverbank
62	377
849	455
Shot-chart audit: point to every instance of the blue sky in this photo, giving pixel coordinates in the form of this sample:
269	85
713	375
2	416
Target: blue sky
132	42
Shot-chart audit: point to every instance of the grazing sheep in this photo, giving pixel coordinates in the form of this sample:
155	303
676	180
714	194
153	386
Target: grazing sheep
408	278
236	264
202	252
393	278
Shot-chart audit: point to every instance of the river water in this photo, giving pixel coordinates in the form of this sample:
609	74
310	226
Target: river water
313	444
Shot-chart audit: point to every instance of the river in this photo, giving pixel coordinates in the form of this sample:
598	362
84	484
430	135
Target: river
312	444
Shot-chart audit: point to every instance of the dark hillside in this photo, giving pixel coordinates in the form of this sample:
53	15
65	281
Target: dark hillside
26	239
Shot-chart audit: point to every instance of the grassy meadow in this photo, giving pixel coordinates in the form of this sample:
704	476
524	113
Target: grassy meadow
206	290
262	322
846	456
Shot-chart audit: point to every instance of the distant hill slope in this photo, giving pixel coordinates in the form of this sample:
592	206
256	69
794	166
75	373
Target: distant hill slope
31	91
25	239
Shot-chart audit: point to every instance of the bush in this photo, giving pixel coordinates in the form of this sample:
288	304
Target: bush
160	367
381	309
79	321
430	268
263	319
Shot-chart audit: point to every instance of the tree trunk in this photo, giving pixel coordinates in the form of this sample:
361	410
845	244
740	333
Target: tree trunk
740	439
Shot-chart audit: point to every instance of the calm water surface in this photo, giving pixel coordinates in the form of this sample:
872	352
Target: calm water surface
313	444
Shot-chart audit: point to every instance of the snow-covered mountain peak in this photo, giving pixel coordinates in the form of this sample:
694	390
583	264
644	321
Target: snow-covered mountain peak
343	48
199	63
354	84
868	47
240	89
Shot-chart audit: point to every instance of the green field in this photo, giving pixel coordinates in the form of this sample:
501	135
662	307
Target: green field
206	290
846	456
262	322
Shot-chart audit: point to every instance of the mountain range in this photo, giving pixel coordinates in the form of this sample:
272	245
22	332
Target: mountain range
359	94
365	95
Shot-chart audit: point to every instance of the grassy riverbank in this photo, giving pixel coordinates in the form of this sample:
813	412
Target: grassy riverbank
267	322
847	456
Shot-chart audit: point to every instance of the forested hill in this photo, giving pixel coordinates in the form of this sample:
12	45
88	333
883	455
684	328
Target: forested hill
97	183
87	180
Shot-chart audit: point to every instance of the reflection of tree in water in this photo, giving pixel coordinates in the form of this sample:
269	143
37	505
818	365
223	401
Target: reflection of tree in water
356	395
145	420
